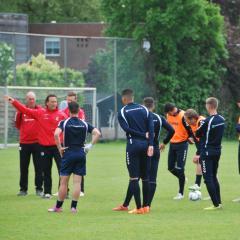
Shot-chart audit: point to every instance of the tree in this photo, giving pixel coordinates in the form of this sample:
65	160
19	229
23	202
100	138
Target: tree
45	73
129	68
6	63
59	10
187	44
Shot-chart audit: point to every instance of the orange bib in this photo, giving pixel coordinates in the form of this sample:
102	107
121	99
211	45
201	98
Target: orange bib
180	134
195	128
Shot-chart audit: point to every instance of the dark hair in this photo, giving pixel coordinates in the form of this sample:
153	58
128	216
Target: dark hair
148	102
72	94
169	107
127	93
191	114
48	96
73	107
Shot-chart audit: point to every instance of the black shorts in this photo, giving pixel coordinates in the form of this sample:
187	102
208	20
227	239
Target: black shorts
137	160
73	161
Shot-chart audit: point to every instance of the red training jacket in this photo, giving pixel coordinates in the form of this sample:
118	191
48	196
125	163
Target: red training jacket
47	122
81	113
27	126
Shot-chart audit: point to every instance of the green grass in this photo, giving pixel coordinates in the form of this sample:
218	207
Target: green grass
26	218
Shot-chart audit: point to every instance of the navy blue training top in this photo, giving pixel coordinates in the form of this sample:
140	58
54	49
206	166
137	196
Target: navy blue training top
210	133
159	122
74	131
136	121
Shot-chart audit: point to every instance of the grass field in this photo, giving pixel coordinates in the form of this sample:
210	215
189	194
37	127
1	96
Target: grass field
26	218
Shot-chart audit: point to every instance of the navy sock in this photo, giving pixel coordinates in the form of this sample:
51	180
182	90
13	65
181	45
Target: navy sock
152	189
212	192
218	194
181	182
128	196
135	190
74	204
145	190
59	204
198	180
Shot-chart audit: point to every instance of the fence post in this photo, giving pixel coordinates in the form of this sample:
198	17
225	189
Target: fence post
115	90
6	119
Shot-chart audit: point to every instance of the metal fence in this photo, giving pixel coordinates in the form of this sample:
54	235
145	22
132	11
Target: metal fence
107	64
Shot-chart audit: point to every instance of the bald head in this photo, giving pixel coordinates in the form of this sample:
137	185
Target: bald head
31	99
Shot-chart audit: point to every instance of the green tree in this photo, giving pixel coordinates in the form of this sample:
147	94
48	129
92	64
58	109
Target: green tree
129	67
45	73
60	10
187	44
6	63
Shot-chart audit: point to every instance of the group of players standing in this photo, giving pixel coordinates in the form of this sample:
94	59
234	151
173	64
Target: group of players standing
142	127
37	127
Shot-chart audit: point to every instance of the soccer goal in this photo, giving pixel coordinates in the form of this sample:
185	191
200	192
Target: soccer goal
9	134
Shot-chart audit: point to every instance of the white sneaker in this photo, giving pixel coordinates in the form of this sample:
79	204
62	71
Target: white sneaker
81	194
178	197
194	187
236	200
55	194
47	196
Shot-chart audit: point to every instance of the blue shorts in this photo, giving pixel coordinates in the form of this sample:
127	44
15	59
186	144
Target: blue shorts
138	163
73	161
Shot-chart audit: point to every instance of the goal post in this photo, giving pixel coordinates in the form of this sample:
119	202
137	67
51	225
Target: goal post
9	135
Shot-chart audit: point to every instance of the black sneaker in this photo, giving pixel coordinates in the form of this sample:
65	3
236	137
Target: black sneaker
22	193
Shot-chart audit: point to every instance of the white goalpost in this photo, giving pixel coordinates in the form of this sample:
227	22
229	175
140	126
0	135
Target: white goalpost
9	134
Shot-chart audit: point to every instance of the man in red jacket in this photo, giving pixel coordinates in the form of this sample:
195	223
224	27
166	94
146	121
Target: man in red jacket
72	97
47	119
29	146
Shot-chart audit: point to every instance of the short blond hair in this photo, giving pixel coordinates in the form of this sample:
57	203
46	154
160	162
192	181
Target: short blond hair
212	102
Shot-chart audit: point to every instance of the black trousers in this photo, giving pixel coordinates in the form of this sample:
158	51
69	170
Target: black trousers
25	152
209	166
48	153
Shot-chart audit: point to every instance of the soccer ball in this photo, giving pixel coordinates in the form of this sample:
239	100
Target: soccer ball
195	196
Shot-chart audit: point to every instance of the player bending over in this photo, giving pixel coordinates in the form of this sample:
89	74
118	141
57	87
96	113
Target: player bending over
73	154
195	120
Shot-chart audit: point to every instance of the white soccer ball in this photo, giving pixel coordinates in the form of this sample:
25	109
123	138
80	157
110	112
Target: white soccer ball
195	196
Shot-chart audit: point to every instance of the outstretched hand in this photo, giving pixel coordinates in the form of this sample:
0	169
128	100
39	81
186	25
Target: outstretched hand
8	99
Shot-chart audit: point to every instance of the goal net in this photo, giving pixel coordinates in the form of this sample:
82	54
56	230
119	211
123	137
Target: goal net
9	135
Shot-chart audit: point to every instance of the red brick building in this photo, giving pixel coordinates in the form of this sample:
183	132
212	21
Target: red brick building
73	43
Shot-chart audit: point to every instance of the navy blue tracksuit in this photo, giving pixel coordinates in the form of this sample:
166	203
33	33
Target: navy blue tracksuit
74	136
158	122
210	134
136	121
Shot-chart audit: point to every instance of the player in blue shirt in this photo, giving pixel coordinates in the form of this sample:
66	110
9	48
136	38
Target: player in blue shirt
73	153
136	121
210	133
158	122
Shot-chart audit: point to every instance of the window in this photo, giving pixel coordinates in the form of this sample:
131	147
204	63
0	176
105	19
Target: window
52	47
